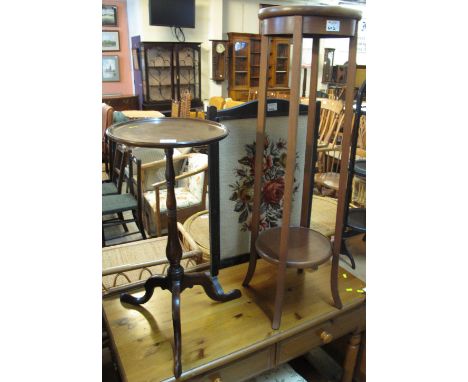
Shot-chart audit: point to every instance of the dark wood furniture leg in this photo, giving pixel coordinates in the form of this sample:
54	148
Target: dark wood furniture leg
176	281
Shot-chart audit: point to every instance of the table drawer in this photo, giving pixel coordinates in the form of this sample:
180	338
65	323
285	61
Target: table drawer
320	334
240	370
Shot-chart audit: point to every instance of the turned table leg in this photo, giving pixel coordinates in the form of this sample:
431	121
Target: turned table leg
351	357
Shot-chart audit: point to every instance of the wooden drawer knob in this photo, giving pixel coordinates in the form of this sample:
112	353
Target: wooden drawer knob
326	337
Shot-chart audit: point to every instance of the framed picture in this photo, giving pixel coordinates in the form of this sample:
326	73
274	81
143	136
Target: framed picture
109	15
110	69
110	41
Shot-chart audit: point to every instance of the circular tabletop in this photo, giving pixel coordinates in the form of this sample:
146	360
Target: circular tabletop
310	10
306	247
167	132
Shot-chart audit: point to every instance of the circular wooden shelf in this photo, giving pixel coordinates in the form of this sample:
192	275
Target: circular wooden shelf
198	227
360	167
357	219
306	248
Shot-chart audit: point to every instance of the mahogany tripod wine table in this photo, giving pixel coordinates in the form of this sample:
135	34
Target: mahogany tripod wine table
167	134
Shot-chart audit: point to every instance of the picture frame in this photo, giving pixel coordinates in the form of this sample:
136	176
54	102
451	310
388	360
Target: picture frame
110	41
109	15
110	69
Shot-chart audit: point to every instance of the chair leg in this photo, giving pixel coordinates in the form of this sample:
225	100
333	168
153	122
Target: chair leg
121	217
103	237
139	222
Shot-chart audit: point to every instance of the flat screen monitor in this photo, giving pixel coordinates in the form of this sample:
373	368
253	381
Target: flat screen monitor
172	13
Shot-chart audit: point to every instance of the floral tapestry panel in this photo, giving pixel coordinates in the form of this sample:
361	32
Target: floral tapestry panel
235	176
272	192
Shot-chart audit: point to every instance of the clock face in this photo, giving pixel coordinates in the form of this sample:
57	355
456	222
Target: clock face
220	48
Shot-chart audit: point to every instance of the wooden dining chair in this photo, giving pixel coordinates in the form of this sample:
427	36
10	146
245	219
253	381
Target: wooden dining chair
113	185
120	203
329	151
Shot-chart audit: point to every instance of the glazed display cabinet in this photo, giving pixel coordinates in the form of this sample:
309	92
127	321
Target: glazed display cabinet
244	64
163	71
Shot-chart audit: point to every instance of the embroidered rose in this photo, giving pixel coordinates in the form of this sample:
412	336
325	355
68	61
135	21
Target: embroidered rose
273	191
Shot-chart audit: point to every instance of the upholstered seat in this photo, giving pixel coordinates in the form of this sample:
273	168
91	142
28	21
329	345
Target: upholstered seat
328	179
109	188
183	196
112	204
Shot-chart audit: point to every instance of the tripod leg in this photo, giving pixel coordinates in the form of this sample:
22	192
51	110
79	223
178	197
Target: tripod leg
177	331
211	286
150	284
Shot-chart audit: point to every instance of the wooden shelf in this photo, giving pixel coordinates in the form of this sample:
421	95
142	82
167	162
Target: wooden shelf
306	248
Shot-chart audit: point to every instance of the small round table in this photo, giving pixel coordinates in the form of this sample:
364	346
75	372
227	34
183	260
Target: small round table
167	134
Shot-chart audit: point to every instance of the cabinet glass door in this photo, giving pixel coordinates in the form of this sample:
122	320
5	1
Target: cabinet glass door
188	64
241	63
282	65
160	75
254	62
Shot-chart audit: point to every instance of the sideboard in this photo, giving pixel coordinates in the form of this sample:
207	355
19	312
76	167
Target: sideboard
121	102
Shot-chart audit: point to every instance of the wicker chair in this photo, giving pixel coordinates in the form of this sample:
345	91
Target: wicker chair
128	265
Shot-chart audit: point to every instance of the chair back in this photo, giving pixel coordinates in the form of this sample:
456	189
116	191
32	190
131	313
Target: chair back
197	183
217	101
120	160
107	117
134	179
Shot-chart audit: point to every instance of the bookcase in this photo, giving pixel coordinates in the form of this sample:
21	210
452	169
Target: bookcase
244	64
